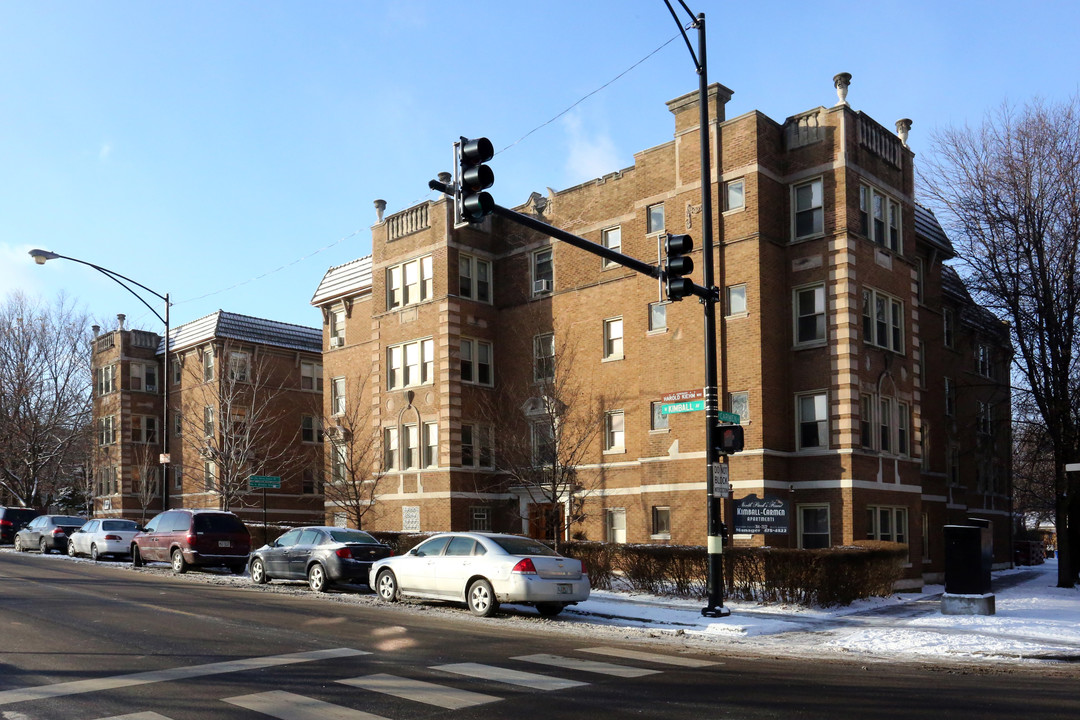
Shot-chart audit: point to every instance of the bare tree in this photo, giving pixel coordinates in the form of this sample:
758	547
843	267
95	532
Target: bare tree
550	423
148	480
355	455
237	421
44	400
1012	188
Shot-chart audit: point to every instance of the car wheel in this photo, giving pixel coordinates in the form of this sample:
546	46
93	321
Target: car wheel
481	598
43	547
136	558
316	578
18	545
179	564
71	549
258	572
549	610
386	586
94	553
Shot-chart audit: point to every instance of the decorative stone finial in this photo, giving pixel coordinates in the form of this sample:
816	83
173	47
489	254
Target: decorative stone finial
841	81
120	317
380	208
903	127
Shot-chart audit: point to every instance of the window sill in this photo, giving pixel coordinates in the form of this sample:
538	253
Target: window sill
658	331
737	316
734	211
806	238
613	358
659	431
615	451
812	345
660	536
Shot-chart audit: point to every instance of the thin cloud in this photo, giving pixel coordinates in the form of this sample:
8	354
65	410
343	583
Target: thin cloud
105	151
592	152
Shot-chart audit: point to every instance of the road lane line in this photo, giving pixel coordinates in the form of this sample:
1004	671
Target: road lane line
287	706
592	666
534	681
149	715
420	691
650	657
77	687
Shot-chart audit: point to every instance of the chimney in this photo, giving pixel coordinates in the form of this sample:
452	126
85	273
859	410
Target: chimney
95	329
380	208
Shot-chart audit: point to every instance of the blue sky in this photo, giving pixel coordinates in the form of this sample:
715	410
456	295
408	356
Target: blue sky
229	152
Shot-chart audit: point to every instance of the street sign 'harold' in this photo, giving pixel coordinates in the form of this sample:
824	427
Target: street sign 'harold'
683	401
264	482
761	516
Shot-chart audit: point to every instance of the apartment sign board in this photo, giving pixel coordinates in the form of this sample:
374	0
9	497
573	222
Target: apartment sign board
761	516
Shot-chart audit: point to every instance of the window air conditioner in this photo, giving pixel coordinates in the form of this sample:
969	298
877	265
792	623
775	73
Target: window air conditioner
337	341
541	286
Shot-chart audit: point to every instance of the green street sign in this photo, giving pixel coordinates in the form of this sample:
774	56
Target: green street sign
727	417
264	482
681	407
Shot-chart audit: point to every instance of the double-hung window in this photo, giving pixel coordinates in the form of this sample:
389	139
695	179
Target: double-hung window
144	429
866	421
474	278
476	446
476	361
337	327
105	379
887	524
208	364
544	358
431	445
659	419
950	397
613	339
735	300
409	282
412	363
983	362
311	377
615	432
611	238
543	272
337	396
410	456
654	219
239	366
143	377
615	525
903	435
949	327
734	194
657	317
881	217
390	448
339	463
883	320
984	418
107	430
810	314
311	429
812	420
208	421
661	522
808	200
885	419
814	527
544	447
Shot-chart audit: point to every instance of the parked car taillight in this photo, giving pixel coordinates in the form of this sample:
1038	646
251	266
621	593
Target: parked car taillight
584	570
113	537
6	523
343	553
57	532
190	539
525	567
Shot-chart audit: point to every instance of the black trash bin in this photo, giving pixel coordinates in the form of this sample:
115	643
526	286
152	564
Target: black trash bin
969	555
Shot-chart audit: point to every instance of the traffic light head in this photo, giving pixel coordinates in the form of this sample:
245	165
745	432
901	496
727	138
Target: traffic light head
731	439
473	178
678	265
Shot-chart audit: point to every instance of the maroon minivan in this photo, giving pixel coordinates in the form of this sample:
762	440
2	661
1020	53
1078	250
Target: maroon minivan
188	537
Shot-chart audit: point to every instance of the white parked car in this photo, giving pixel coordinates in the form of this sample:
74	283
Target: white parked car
483	570
98	538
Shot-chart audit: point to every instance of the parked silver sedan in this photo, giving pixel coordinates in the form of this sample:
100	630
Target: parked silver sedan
483	570
98	538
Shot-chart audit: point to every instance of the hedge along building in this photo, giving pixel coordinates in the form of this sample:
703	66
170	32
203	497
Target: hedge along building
485	349
245	399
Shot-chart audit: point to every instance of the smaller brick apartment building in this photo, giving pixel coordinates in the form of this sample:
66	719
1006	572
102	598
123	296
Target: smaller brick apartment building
873	391
245	398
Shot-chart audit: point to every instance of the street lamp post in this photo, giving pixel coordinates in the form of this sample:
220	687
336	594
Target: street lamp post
42	256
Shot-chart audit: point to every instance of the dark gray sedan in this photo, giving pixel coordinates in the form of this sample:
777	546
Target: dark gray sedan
321	555
47	533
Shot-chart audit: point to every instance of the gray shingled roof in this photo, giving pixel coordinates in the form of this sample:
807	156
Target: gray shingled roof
230	326
352	278
928	227
972	314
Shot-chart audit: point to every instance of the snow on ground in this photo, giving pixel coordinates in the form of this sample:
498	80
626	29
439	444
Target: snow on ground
1034	620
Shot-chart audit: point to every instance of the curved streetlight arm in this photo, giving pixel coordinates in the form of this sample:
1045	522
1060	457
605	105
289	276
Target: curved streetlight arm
40	256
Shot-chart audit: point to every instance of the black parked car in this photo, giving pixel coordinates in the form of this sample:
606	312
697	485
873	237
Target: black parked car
47	533
321	555
12	520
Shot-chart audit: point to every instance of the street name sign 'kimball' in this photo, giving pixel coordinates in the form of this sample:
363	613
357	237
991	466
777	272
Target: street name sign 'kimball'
264	482
683	401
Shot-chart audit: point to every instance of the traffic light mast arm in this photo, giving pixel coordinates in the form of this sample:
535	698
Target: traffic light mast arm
579	242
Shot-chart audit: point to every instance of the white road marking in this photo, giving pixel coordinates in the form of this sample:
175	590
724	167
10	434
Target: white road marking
592	666
77	687
420	691
149	715
512	677
650	657
288	706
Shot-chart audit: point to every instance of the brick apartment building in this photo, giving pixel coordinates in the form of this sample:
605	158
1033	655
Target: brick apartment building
245	399
873	391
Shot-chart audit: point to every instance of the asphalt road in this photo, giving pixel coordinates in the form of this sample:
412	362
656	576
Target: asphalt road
85	641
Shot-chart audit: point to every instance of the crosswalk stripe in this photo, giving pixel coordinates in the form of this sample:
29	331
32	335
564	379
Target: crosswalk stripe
289	706
592	666
149	715
420	691
76	687
650	657
534	681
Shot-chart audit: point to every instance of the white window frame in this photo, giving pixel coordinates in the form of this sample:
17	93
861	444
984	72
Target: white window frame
883	315
611	238
614	432
903	430
739	198
542	440
896	517
470	283
390	448
177	371
208	364
984	361
105	380
543	357
144	429
654	213
658	312
337	326
739	404
658	421
613	338
866	421
338	404
409	282
239	366
801	520
735	300
473	362
817	210
615	525
209	428
139	373
107	427
881	217
819	293
886	428
430	442
476	446
410	447
339	462
311	376
410	364
311	430
542	269
661	522
818	397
